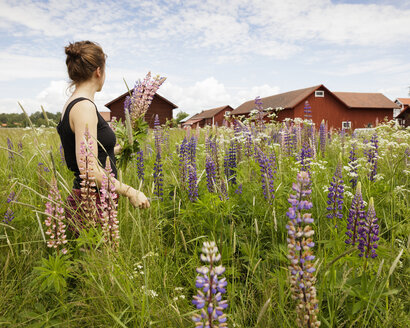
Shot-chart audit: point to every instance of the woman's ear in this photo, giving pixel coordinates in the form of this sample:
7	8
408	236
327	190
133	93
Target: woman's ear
98	72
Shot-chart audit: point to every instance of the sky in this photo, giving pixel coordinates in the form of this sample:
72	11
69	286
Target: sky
213	53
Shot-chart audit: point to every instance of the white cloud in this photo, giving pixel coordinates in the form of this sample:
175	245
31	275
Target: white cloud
210	93
273	28
13	67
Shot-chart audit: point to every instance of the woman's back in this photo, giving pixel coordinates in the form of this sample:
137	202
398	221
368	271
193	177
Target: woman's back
105	136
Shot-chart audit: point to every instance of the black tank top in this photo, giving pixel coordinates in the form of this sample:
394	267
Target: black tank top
105	137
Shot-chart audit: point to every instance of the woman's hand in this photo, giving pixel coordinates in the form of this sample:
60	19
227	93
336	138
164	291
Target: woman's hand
137	198
117	149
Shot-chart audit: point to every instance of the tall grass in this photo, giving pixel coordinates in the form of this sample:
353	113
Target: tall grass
150	280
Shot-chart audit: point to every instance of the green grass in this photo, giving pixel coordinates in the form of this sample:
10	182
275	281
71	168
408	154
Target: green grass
138	286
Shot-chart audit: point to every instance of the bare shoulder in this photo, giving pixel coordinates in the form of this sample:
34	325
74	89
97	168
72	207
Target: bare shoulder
82	113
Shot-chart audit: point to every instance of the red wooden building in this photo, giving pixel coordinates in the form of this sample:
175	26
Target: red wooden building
339	109
403	115
161	106
214	116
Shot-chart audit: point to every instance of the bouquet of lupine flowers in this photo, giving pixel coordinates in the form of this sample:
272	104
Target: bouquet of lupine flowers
135	108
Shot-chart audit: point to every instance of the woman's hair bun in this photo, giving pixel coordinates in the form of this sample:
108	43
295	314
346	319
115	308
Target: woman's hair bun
73	49
83	58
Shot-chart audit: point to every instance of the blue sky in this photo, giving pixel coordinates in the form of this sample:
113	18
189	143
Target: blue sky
212	52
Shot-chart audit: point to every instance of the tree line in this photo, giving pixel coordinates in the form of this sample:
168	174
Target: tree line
12	120
37	119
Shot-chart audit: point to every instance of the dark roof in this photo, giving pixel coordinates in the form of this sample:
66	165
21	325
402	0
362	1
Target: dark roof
365	100
127	93
209	113
286	100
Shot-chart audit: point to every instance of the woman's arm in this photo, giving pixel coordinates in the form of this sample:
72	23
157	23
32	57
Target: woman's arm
83	114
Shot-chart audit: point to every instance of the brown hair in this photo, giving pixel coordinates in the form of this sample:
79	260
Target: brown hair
83	58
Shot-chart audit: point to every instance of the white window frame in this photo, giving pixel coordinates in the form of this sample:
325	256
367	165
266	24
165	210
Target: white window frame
319	93
346	125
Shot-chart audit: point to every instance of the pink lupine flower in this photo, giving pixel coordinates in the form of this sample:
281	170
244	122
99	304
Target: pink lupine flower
108	207
142	95
55	220
88	192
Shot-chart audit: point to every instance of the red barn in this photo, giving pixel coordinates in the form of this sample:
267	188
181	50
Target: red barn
403	115
339	109
161	106
214	116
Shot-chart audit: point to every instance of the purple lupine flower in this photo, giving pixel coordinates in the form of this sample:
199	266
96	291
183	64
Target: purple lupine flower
372	156
62	158
109	207
157	133
238	145
248	142
10	147
140	164
20	147
356	215
368	233
322	137
305	157
300	244
192	184
158	177
335	195
183	163
211	287
192	151
230	164
353	165
88	185
287	141
267	169
223	190
191	169
11	197
55	219
45	168
210	173
213	151
8	215
293	139
312	140
239	189
307	111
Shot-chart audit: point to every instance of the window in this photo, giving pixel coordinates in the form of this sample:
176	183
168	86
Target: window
319	93
346	125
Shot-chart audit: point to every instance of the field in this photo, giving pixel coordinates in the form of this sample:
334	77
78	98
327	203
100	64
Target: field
150	280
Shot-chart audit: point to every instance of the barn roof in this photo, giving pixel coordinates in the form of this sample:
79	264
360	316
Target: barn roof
404	101
286	100
209	113
365	100
127	93
192	121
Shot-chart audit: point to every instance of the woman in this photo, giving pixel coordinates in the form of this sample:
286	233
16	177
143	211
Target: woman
86	68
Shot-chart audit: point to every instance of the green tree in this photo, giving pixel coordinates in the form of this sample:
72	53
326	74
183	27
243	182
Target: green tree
180	116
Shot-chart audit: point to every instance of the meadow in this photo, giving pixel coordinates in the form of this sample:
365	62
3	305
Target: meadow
149	281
